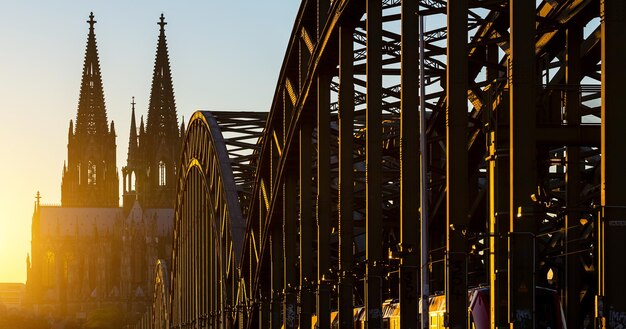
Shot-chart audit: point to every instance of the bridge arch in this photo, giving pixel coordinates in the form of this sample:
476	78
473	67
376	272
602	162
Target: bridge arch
157	316
208	230
160	301
217	159
319	223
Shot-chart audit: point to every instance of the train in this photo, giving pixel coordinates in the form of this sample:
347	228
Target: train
548	308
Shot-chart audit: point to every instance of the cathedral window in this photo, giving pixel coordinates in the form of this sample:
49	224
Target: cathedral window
91	173
133	181
162	173
78	171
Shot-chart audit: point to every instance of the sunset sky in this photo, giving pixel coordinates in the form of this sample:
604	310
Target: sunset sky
225	55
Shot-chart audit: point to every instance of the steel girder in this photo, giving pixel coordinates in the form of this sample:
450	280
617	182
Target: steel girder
320	82
217	165
512	105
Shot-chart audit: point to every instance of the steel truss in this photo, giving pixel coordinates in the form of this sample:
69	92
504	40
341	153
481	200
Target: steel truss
524	187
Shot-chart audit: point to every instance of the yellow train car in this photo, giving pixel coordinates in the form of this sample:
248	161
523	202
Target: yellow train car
549	311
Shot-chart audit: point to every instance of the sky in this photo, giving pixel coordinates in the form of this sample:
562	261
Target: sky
224	55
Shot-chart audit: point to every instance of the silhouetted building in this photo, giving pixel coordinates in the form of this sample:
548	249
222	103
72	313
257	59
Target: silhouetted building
90	253
90	178
153	154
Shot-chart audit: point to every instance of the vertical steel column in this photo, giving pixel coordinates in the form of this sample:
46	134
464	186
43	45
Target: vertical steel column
456	164
289	217
612	285
194	254
323	201
498	227
373	160
212	278
209	267
322	211
185	255
346	181
223	298
307	297
277	276
290	235
573	280
523	176
180	257
409	166
202	245
424	217
498	194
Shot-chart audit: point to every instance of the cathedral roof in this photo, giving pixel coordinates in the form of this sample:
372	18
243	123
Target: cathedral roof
60	222
162	118
92	117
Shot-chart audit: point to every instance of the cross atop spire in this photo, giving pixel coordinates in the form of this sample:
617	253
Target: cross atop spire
162	22
91	21
91	118
133	103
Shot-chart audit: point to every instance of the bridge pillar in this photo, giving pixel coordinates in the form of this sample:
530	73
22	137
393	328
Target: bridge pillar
290	234
409	167
307	229
573	277
523	164
346	180
373	168
498	143
612	233
323	211
456	165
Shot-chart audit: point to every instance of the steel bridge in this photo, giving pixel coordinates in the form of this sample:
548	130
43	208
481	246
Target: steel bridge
412	148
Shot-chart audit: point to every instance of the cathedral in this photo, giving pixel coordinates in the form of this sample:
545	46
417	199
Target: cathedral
89	253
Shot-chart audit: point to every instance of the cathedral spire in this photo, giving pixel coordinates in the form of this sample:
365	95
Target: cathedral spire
91	178
91	118
132	140
160	142
162	118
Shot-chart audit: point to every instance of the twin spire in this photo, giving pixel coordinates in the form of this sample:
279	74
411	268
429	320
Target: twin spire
150	172
92	117
162	118
90	175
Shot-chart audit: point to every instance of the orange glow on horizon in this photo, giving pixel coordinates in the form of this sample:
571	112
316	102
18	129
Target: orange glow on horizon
41	63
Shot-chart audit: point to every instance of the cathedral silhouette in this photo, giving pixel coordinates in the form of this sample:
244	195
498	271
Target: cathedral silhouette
89	253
